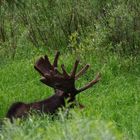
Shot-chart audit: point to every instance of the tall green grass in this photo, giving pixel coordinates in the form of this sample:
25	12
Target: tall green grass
111	107
78	127
102	33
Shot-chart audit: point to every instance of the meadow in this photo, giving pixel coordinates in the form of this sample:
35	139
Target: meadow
106	37
111	107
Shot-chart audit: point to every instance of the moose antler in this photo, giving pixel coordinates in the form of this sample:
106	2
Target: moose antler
62	81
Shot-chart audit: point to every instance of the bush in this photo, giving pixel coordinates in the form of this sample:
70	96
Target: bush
110	26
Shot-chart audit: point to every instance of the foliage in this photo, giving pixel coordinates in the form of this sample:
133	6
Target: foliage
61	129
102	33
116	99
113	26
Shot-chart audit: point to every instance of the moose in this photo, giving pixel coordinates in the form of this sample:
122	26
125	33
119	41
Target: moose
62	83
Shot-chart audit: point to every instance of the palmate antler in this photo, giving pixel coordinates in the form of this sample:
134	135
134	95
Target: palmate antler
62	81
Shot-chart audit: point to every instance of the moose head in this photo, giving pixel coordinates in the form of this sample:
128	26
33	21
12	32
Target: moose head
62	83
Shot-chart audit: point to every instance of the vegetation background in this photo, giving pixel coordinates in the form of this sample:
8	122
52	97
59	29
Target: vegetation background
104	33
